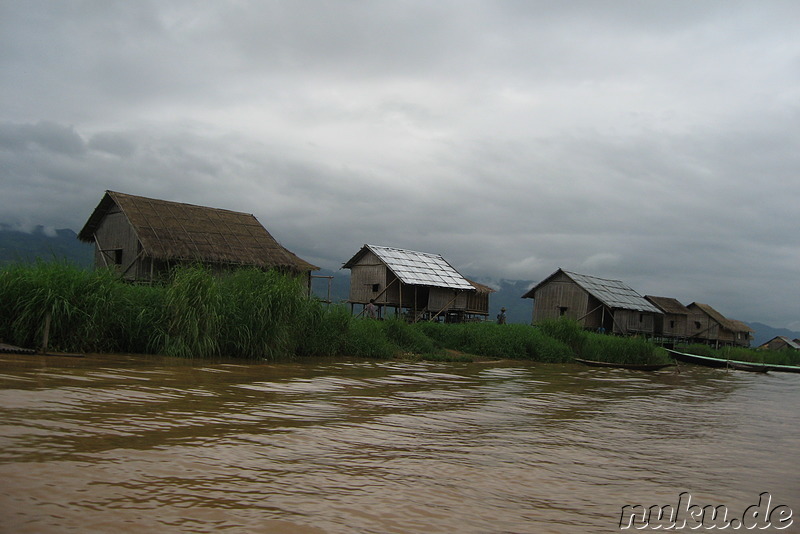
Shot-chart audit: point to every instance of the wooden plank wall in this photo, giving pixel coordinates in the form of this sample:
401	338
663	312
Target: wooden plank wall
364	276
115	232
560	293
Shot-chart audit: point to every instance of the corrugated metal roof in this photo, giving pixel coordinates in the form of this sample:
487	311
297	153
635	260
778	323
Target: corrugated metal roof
613	293
421	268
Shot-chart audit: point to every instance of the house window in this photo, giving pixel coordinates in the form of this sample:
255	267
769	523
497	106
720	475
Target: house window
672	324
641	317
697	325
376	288
117	255
562	311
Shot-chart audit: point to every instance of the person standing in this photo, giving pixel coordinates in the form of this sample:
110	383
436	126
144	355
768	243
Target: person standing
501	317
372	311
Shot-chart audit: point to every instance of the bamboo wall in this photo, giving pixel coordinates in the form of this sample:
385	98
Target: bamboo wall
702	327
478	303
672	325
368	277
634	321
562	297
443	298
560	293
116	233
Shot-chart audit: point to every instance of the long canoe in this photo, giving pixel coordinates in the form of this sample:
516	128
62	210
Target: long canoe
708	361
785	368
634	366
747	366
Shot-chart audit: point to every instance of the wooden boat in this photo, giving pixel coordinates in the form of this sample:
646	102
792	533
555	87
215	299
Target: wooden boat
708	361
634	366
747	366
785	368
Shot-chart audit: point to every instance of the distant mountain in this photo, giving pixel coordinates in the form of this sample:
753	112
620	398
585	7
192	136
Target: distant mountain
764	333
17	246
508	295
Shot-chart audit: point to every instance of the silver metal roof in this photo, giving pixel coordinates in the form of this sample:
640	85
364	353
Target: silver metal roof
613	293
421	268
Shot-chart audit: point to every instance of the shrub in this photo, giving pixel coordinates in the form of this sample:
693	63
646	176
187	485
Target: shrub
325	330
565	330
367	338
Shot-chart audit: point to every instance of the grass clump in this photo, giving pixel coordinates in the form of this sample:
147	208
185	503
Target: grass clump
367	338
490	340
775	357
79	305
325	330
624	350
566	330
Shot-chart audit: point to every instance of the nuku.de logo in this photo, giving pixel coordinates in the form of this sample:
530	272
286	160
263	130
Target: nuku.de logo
693	516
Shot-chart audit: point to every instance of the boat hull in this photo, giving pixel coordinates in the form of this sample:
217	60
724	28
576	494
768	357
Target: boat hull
633	366
730	364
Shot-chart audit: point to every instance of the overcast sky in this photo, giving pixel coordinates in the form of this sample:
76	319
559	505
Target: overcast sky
653	142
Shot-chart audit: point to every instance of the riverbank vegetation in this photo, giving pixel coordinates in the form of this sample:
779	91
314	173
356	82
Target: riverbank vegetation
774	357
254	314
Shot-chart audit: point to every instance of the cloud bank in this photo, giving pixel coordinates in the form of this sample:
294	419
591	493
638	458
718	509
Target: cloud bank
650	142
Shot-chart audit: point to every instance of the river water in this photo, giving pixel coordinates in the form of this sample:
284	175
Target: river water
148	444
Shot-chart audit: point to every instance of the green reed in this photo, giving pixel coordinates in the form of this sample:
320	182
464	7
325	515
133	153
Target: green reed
324	330
196	313
627	350
513	341
76	307
366	338
745	354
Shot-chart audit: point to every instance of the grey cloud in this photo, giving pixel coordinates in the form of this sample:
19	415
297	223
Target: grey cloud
46	136
650	142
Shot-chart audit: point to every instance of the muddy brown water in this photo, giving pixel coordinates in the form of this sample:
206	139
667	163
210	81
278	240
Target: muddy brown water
112	443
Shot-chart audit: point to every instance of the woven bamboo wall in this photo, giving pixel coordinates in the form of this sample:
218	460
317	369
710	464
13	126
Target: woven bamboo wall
560	293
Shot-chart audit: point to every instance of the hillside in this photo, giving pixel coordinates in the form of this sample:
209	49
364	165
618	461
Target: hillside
17	246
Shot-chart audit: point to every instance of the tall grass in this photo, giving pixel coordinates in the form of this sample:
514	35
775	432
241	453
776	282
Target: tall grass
261	313
78	304
625	350
776	357
193	314
244	313
367	338
512	341
324	330
254	314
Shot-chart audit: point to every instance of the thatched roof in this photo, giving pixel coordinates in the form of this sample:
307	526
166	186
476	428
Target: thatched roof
740	326
176	231
668	305
730	324
481	288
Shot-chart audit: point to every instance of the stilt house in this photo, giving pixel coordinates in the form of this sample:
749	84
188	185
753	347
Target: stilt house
780	343
596	303
144	237
674	324
419	285
707	325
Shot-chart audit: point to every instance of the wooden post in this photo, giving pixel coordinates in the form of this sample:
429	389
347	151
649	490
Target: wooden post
46	334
